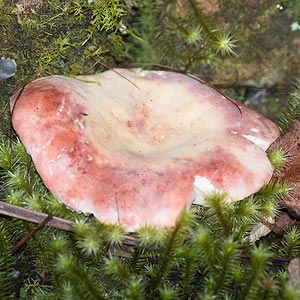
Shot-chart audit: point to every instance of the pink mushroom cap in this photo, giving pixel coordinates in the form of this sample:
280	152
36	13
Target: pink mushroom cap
138	147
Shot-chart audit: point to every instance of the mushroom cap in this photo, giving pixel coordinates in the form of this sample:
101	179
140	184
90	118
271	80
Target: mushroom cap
137	147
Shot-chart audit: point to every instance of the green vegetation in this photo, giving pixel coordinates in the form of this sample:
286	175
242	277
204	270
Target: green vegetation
208	254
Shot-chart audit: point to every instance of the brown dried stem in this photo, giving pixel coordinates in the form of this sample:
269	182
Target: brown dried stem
44	220
33	216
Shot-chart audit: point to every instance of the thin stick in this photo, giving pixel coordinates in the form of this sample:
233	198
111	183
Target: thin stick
114	70
38	217
48	220
279	261
30	234
195	77
33	216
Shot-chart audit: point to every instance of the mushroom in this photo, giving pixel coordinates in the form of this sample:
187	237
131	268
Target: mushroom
138	147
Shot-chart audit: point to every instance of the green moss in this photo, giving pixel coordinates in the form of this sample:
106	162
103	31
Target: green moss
292	111
59	37
207	254
200	256
278	159
167	38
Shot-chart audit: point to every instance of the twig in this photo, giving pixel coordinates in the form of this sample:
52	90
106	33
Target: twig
278	261
30	234
33	216
114	70
38	217
48	220
195	77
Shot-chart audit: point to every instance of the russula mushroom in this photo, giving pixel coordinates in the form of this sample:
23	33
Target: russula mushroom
137	147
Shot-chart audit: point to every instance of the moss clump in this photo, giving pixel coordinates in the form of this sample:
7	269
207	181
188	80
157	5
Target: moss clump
59	37
50	37
207	255
168	38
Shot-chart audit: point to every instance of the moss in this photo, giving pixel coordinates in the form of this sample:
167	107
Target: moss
207	255
200	258
59	37
167	38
